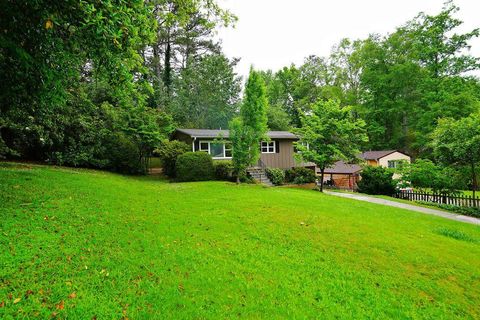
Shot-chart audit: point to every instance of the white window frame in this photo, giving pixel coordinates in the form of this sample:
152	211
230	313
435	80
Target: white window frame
394	162
306	144
267	144
209	142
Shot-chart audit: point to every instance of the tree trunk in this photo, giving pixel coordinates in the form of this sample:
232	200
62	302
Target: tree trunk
167	71
474	181
322	170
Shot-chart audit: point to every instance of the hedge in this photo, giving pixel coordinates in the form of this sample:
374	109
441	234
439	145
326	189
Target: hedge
194	166
276	176
300	175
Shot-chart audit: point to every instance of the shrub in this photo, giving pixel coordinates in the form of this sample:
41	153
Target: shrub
376	180
300	175
123	155
224	170
276	176
194	166
168	154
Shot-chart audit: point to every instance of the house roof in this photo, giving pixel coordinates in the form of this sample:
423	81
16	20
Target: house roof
375	155
341	167
211	133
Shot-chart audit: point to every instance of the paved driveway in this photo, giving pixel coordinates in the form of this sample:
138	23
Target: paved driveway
385	202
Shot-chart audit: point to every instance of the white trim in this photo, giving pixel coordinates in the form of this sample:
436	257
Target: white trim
268	146
209	148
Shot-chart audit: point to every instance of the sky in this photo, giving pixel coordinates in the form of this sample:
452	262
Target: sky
271	34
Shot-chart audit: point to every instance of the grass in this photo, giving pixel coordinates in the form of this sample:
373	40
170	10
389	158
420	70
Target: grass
87	244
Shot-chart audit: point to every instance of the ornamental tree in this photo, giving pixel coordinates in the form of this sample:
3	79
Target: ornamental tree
250	128
329	134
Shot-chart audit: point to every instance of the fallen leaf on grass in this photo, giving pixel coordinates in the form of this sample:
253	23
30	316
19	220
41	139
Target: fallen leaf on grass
60	306
72	295
17	300
2	304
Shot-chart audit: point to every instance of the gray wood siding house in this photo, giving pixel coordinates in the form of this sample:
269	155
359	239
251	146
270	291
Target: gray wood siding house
276	153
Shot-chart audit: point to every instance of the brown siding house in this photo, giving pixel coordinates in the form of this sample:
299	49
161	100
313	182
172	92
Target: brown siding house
276	153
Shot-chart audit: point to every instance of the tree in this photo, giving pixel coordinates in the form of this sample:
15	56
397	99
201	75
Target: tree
247	130
330	133
425	174
377	180
186	30
458	142
414	76
206	93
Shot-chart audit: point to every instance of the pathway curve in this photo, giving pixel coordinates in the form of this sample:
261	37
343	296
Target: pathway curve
424	210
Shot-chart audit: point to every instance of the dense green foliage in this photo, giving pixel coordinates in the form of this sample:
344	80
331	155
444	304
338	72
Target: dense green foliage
328	134
425	174
250	128
220	250
400	84
276	176
82	85
194	166
224	170
300	175
377	180
168	154
458	142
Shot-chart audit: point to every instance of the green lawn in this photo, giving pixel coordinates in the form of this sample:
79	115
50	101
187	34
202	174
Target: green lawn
84	244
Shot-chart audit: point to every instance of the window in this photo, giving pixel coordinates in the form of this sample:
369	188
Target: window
268	146
218	150
305	144
392	164
204	146
228	150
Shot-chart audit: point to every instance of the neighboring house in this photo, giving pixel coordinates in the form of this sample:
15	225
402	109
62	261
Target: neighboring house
343	175
347	175
387	158
276	153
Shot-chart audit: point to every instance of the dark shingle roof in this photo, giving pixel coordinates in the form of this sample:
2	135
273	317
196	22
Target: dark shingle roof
210	133
375	155
341	167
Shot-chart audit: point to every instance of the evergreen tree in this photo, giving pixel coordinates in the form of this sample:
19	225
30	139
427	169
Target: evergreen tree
248	130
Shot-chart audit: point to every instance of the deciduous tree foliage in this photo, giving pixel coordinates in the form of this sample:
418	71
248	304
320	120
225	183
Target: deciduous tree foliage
328	134
458	142
82	81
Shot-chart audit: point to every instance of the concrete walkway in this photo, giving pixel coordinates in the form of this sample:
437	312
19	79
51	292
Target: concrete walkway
411	207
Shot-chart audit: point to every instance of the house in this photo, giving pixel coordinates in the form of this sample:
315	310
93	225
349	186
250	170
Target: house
342	175
387	158
276	153
345	175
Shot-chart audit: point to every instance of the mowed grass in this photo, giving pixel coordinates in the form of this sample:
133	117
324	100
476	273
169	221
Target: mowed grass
88	244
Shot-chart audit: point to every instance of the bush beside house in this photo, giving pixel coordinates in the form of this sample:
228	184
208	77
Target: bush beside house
377	180
168	154
194	166
224	170
276	176
300	175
